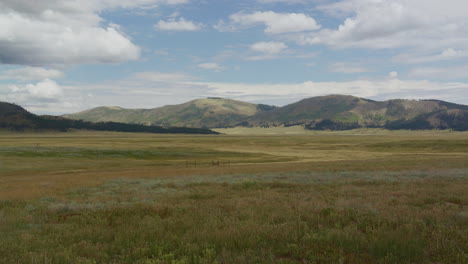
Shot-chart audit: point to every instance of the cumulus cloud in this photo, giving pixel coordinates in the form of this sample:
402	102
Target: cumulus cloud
82	6
45	89
275	23
30	74
268	50
393	74
377	24
63	32
178	25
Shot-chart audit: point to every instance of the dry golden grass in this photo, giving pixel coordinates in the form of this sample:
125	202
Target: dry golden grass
30	175
350	197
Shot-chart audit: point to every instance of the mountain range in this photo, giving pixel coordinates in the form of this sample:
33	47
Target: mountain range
333	112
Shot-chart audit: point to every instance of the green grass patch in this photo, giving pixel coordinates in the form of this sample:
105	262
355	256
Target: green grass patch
422	145
88	153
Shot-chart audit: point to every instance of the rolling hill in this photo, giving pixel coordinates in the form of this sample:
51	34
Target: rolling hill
340	112
16	118
331	112
209	112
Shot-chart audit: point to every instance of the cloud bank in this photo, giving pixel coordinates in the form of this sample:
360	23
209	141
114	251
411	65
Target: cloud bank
65	32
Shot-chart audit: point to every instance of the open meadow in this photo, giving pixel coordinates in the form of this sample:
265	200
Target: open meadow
365	196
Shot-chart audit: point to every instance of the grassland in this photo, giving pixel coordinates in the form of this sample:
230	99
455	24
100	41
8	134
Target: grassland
366	196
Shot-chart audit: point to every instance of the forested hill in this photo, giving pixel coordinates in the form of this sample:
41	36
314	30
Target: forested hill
342	112
16	118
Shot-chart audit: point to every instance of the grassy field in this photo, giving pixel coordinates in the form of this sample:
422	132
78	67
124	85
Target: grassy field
366	196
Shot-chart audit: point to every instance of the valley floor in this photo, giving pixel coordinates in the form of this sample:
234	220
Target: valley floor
363	196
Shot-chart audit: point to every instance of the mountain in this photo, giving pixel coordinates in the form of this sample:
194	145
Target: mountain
16	118
210	112
331	112
341	112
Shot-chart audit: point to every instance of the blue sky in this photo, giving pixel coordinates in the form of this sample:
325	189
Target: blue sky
63	56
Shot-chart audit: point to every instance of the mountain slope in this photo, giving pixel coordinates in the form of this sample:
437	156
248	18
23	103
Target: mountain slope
14	117
209	112
338	112
334	112
324	107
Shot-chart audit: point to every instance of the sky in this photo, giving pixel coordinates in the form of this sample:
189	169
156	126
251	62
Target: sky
64	56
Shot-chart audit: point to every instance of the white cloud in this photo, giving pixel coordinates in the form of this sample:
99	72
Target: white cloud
211	66
382	89
342	67
162	77
269	50
262	57
30	74
45	89
443	73
61	32
419	24
178	25
289	54
82	8
275	23
393	74
447	54
272	47
52	44
172	2
153	89
148	92
281	1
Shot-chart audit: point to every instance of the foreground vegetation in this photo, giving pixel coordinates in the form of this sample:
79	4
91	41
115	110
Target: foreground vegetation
321	198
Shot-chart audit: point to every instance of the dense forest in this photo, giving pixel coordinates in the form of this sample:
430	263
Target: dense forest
454	120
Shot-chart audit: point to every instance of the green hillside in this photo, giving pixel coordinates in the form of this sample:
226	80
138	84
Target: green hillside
209	112
341	112
16	118
331	112
324	107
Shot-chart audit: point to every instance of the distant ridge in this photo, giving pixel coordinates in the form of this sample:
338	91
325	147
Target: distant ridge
331	112
16	118
342	112
210	112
